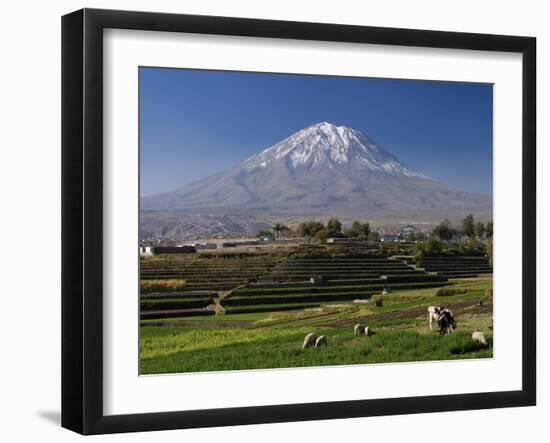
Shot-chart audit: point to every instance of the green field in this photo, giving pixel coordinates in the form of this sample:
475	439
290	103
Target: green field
253	322
166	349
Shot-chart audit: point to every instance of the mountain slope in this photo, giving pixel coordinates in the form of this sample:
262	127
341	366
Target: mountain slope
319	170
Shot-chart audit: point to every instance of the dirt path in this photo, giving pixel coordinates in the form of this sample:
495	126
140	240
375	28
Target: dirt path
458	308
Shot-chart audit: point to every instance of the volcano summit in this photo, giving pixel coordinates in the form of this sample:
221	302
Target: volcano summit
323	169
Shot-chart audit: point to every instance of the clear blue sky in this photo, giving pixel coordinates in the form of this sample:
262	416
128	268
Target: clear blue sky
195	123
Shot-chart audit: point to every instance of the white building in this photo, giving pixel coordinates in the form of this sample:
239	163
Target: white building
146	250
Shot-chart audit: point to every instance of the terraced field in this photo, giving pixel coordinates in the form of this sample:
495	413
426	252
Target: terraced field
273	339
207	277
457	267
335	279
252	310
245	283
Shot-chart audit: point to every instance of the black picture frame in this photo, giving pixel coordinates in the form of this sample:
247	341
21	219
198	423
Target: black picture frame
82	218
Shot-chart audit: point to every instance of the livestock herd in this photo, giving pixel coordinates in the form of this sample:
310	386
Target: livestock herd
442	316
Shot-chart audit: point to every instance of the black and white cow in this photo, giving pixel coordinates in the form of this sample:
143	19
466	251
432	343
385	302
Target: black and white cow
444	318
446	321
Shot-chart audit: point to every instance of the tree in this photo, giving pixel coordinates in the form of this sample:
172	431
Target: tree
433	247
358	230
472	246
373	236
334	227
286	229
309	229
362	228
479	230
321	235
264	233
278	228
468	226
429	248
444	230
352	233
489	229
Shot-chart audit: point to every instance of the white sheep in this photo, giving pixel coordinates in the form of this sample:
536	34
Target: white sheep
309	340
321	341
359	329
479	337
368	331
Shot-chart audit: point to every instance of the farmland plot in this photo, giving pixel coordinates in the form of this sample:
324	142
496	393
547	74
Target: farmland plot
253	312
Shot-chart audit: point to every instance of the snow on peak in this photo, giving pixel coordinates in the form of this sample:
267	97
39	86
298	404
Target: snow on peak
325	144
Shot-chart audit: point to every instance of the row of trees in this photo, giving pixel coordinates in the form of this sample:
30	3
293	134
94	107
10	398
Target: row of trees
333	229
471	239
278	229
468	228
320	232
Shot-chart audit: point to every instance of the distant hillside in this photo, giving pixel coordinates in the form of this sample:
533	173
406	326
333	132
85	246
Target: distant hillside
322	169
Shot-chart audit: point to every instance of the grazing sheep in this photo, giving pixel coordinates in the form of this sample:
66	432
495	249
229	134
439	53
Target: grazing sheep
368	331
309	340
385	291
479	337
321	341
433	314
359	329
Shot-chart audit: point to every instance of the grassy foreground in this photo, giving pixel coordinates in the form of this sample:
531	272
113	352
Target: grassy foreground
168	350
273	340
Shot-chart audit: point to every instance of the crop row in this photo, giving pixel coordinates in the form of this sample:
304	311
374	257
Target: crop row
144	315
310	289
235	264
174	303
310	271
206	274
297	275
297	296
339	268
178	295
463	271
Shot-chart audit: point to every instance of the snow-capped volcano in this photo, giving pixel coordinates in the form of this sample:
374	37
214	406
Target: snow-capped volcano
325	144
323	169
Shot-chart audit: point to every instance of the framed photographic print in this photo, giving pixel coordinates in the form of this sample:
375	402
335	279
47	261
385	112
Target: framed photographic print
269	221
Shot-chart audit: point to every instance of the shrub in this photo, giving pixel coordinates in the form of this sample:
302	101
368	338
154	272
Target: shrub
318	253
472	246
309	229
321	236
430	248
445	292
163	285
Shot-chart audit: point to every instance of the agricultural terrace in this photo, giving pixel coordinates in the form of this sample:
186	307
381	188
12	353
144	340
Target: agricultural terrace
251	309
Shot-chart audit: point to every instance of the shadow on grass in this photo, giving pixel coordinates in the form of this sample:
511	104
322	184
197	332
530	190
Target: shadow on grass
471	346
